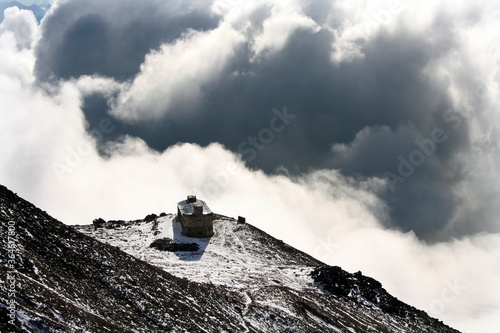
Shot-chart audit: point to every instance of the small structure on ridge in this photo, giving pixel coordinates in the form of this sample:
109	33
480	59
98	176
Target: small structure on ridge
196	218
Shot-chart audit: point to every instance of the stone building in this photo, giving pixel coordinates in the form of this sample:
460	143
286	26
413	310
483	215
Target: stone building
196	218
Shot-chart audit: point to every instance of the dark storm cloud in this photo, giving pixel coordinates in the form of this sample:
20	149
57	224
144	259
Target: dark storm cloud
375	112
111	38
333	104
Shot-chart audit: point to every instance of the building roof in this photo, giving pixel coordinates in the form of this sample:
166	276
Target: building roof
186	207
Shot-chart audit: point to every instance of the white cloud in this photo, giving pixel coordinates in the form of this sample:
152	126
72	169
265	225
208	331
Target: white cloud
88	85
176	74
278	27
49	159
355	22
22	24
17	32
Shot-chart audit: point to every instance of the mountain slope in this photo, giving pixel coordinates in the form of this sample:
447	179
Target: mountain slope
239	255
240	280
243	258
67	281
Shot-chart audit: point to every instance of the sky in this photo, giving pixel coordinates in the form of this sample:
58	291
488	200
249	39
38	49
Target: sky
32	2
363	133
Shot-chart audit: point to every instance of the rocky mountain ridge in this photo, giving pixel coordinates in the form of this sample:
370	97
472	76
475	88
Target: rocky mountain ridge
108	278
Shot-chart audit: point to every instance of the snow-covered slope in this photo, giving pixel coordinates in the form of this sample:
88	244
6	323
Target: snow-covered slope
237	256
268	273
240	280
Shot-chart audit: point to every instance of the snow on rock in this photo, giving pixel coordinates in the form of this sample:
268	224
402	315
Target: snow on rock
234	257
239	280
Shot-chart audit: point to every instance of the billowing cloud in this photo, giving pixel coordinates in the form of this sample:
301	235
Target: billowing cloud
175	75
112	38
21	25
342	71
364	134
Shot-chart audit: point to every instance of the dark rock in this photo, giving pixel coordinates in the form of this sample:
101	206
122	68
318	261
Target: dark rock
359	287
166	244
150	217
113	224
98	223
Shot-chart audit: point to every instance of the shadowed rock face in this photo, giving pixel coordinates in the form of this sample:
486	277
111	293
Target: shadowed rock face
362	288
68	281
166	244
